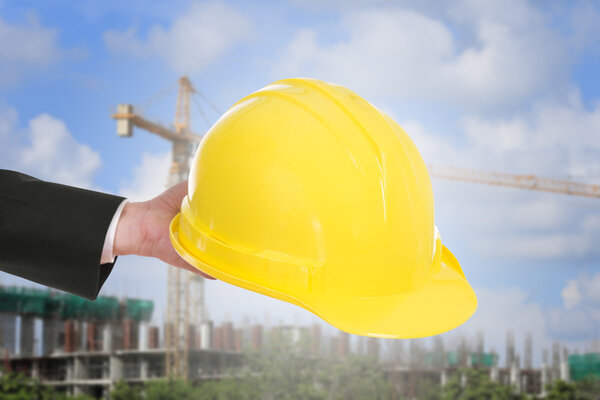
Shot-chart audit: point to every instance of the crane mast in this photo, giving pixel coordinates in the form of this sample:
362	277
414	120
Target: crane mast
185	290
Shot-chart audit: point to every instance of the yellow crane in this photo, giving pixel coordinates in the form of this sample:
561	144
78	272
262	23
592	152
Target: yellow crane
185	291
530	182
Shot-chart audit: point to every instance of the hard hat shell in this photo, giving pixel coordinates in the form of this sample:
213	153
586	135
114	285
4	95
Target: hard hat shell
306	192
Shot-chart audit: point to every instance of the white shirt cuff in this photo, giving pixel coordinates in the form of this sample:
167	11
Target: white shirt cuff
107	250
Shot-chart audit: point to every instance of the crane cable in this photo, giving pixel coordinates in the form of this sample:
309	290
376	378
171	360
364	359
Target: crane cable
153	99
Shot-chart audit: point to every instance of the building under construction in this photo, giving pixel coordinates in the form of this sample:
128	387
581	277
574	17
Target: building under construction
79	346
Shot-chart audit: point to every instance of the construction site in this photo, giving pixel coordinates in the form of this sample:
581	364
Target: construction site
83	347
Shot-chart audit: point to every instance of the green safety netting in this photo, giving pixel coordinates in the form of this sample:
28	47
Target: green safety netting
451	358
582	365
140	310
482	359
104	307
45	303
434	360
9	299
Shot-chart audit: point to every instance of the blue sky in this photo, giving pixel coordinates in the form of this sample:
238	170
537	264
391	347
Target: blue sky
508	86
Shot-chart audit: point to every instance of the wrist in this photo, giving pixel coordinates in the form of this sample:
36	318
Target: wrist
128	233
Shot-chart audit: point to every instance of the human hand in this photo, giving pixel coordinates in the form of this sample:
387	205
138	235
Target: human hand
143	228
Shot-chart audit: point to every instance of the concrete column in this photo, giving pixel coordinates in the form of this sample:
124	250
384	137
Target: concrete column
206	335
27	336
70	369
524	382
144	368
8	332
494	373
35	369
514	376
107	337
115	366
564	366
78	369
443	378
143	336
564	371
83	336
544	379
51	328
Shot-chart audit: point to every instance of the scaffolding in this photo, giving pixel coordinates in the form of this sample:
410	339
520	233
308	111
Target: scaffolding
52	304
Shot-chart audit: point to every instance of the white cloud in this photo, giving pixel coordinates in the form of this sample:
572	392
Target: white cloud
591	288
46	149
192	42
580	317
53	153
570	294
26	48
149	178
504	54
555	139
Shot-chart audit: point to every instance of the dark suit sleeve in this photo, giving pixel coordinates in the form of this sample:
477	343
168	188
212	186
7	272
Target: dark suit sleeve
53	234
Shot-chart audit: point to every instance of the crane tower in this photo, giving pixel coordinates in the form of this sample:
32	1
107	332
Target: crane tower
185	290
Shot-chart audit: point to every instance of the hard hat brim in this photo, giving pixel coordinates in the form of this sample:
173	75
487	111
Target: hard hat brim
442	304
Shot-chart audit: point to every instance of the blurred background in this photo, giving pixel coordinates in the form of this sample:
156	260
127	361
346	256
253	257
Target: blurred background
481	87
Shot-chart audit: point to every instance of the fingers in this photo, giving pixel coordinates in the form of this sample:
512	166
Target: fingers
180	263
176	193
197	271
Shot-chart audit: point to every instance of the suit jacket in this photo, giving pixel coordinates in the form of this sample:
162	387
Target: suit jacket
53	234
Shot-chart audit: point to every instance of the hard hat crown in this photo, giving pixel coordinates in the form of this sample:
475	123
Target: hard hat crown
306	192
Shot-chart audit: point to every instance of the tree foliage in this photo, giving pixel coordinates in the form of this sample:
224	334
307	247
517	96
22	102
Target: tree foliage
285	371
469	384
14	386
586	389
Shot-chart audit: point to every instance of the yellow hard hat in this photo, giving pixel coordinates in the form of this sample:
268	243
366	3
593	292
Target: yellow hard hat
306	192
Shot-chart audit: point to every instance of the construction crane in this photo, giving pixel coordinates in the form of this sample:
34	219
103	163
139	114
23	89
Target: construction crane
530	182
185	290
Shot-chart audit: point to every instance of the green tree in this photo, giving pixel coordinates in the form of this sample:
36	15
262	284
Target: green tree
284	370
561	390
123	391
586	389
477	386
169	389
15	386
